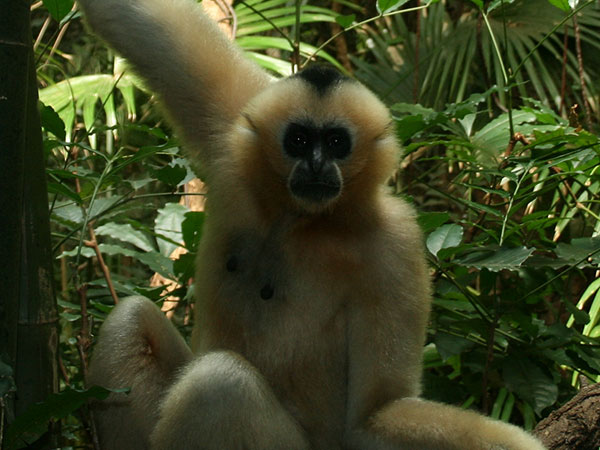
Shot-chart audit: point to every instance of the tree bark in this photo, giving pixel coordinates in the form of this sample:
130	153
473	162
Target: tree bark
28	313
575	425
14	60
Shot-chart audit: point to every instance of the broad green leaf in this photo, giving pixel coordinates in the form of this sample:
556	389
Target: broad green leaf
497	259
530	382
86	92
385	6
445	236
170	174
191	228
168	224
429	221
479	3
449	345
184	266
126	233
493	138
58	9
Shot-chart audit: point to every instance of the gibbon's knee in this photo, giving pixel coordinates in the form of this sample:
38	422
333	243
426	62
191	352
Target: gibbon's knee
221	402
138	348
412	423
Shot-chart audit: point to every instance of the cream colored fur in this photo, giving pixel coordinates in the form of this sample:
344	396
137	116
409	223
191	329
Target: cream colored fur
333	359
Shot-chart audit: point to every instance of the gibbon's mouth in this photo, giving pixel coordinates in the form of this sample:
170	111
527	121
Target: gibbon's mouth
317	191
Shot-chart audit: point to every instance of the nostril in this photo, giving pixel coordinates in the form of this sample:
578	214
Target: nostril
316	161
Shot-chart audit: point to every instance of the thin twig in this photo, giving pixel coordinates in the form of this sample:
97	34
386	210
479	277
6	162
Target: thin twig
93	243
84	341
586	103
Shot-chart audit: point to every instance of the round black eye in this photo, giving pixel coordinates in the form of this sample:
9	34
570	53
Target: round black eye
338	142
297	141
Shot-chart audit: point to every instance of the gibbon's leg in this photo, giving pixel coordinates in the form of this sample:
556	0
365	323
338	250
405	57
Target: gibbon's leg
138	348
412	423
221	402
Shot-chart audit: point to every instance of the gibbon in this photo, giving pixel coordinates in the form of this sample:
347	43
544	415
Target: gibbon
312	287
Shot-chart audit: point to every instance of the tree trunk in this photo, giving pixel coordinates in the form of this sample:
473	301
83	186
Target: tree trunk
575	425
14	66
28	314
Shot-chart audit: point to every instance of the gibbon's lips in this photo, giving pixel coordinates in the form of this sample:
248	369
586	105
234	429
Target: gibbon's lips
315	191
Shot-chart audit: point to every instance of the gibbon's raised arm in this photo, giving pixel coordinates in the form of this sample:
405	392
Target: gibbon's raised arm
202	80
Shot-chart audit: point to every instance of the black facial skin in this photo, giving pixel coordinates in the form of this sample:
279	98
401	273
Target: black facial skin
316	177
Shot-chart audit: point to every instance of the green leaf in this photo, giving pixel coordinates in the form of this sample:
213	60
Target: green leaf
445	236
171	175
528	381
191	227
479	3
52	122
345	20
30	425
578	250
184	266
168	224
429	221
497	259
449	345
385	6
561	4
497	3
124	232
58	9
61	189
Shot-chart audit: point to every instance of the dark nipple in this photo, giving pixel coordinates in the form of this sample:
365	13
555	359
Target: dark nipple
267	291
232	264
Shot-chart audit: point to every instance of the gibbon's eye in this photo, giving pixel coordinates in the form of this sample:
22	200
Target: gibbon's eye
337	142
297	141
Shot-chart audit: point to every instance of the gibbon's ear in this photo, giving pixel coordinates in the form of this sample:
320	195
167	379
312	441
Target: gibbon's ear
202	79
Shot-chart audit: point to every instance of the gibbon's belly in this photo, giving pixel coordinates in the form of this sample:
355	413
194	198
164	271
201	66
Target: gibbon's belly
252	300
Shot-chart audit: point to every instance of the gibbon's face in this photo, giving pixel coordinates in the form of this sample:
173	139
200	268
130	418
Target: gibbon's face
318	131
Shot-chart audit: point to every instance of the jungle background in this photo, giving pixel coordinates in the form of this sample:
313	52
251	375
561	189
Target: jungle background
496	104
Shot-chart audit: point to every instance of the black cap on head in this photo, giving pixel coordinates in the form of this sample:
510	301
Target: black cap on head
322	77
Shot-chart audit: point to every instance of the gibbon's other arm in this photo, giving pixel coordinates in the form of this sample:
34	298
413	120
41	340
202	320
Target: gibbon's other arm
202	80
386	336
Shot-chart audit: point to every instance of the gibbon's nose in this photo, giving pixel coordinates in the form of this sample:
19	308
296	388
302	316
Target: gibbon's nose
316	160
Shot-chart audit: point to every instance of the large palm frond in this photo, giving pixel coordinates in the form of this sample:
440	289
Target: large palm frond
457	57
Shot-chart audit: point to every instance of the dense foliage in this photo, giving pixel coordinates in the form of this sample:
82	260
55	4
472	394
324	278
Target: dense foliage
500	162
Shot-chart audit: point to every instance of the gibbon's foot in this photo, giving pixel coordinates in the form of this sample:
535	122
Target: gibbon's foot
413	423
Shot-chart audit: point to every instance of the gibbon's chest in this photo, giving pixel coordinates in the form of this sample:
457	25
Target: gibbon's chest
282	305
255	289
